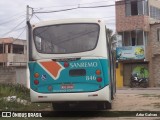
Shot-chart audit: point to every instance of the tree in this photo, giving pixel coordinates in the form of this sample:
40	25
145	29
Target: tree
112	38
110	35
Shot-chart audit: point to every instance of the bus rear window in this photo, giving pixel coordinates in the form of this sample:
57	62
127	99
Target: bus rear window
66	38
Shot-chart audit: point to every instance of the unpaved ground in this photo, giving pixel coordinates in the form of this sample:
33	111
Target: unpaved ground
136	102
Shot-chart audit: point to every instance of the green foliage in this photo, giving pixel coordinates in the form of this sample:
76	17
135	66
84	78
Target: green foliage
22	93
14	90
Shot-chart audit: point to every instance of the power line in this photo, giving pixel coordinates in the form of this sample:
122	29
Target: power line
19	28
14	15
13	28
37	17
73	4
99	6
57	10
96	2
22	31
111	5
11	20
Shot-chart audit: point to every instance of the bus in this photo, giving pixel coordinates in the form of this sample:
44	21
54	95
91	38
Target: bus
71	61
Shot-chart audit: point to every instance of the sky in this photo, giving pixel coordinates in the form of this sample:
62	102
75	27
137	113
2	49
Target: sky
13	13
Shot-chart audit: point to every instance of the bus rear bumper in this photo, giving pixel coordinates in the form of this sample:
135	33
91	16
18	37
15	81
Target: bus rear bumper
101	95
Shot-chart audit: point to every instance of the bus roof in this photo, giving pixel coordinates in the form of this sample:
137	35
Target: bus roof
71	20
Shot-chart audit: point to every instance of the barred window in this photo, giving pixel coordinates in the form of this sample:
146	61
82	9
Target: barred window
155	12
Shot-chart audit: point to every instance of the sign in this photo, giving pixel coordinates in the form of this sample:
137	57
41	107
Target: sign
141	71
130	53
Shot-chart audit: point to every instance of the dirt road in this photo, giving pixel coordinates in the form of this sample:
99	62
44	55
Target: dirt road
133	100
137	100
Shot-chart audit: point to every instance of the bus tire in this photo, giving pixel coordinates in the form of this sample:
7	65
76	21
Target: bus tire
60	106
112	95
108	105
104	105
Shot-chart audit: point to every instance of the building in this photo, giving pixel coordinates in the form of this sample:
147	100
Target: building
133	22
13	52
13	60
154	54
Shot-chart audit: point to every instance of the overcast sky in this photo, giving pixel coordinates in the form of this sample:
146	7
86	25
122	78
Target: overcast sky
13	13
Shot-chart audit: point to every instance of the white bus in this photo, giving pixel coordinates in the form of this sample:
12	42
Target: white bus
70	61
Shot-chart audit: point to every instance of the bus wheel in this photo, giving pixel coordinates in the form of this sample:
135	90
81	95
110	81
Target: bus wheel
60	106
104	105
112	96
108	105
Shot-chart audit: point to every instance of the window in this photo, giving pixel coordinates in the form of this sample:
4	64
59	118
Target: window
155	12
158	34
18	49
1	48
66	38
127	38
146	8
139	37
133	38
136	7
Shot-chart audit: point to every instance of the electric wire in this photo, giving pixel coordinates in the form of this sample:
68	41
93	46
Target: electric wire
37	17
17	14
13	28
74	4
11	20
36	12
68	9
22	31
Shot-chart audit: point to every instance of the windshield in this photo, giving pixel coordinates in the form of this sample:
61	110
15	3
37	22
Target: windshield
66	38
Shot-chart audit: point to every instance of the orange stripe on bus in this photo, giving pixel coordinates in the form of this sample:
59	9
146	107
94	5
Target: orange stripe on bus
52	67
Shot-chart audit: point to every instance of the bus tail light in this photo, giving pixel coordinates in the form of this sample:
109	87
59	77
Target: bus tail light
99	79
66	64
98	72
36	75
36	82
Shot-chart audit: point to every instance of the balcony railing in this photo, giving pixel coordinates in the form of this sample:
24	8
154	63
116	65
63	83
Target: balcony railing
13	59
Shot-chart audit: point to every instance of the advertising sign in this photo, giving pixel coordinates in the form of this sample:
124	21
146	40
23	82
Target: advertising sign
130	53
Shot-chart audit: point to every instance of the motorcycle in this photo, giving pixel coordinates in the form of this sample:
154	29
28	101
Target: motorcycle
138	82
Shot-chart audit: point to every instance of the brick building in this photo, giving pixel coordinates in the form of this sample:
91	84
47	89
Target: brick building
154	54
134	22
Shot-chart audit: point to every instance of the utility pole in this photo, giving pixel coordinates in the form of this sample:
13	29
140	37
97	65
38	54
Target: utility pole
27	20
27	40
27	13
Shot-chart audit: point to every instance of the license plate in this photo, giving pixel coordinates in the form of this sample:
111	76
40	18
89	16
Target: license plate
68	86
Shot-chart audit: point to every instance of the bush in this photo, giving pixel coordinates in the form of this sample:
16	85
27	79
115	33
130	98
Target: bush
20	92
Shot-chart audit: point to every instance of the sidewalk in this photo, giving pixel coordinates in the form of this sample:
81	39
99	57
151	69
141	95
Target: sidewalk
148	88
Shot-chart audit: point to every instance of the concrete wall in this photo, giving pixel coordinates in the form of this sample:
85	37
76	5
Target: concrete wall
14	75
21	77
7	75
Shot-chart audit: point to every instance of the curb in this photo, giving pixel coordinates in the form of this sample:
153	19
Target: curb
155	88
